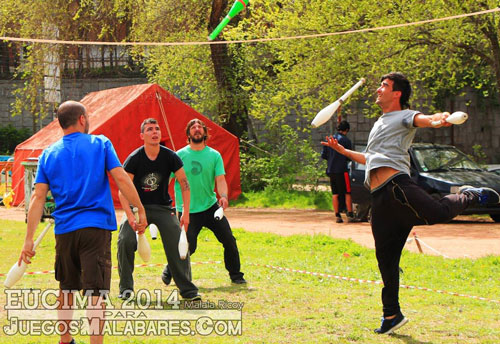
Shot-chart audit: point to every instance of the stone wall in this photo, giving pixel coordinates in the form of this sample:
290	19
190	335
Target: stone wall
74	89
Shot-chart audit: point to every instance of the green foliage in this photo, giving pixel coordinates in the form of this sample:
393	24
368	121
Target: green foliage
289	160
63	20
302	76
252	171
479	155
210	78
272	81
10	137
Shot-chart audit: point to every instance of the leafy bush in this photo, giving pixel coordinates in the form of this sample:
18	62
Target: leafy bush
287	160
10	137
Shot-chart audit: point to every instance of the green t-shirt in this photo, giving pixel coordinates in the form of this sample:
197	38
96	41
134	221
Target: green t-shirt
201	169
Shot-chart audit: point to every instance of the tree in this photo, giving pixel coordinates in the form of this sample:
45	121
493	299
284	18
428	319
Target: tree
271	80
64	20
303	75
208	77
228	73
457	53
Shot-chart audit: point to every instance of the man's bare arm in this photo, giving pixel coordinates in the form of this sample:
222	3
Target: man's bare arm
425	121
127	189
222	190
180	175
35	212
353	155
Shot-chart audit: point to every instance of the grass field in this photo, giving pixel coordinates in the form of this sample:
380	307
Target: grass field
321	200
289	307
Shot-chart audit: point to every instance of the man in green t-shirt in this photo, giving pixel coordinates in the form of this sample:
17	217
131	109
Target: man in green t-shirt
205	170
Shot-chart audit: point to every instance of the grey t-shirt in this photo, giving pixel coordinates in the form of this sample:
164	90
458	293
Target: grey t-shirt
389	141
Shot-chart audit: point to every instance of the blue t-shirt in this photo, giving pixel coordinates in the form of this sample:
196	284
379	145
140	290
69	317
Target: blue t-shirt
337	163
75	170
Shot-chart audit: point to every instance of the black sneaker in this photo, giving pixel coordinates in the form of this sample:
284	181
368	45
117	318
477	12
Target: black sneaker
388	326
197	297
339	220
484	195
166	277
126	294
239	280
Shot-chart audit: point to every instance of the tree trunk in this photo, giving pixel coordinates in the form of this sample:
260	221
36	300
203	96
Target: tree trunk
232	107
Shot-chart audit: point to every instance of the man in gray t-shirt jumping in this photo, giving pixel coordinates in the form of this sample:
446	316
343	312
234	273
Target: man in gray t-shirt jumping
398	203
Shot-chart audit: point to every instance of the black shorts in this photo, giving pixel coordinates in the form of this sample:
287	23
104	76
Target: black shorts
83	260
340	183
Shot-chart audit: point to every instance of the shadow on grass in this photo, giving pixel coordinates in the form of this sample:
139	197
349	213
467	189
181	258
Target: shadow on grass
409	339
233	289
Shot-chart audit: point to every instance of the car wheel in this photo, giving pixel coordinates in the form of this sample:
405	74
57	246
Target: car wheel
362	212
495	217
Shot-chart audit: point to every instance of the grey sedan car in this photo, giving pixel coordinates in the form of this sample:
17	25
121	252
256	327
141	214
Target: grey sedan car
438	169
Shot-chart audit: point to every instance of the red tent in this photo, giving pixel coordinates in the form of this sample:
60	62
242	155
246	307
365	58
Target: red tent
118	113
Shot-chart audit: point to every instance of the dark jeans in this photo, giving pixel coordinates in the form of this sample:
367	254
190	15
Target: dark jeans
170	231
222	232
396	208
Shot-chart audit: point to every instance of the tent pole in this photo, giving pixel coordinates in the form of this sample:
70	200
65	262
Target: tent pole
158	96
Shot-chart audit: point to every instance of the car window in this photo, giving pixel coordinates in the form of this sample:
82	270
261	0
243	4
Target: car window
434	159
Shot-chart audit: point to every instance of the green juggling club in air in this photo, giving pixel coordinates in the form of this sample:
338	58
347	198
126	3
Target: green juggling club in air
238	6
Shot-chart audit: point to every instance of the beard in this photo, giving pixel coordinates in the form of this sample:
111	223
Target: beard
198	139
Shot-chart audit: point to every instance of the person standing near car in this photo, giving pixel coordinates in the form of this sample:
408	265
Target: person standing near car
398	203
205	172
338	172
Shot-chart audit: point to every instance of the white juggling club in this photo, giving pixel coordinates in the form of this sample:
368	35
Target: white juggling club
153	230
143	247
457	117
183	244
325	114
16	272
219	214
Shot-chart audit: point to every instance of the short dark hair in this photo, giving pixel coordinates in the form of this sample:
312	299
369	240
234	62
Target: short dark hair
69	112
400	83
343	126
148	121
193	122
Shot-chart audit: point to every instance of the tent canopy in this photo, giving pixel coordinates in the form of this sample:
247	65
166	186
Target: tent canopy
118	113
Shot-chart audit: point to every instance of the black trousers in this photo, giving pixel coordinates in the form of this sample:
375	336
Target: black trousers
168	225
223	233
396	208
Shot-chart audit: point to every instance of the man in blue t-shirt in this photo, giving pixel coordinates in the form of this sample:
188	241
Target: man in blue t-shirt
338	172
75	170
